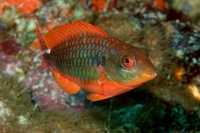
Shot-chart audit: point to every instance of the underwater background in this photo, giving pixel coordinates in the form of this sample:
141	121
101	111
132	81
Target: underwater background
32	102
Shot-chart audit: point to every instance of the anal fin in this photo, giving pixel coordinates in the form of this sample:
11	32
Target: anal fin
97	97
65	84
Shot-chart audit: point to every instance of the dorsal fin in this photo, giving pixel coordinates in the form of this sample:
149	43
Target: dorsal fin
58	34
42	43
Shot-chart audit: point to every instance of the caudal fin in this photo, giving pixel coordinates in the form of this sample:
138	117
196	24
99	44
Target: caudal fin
42	43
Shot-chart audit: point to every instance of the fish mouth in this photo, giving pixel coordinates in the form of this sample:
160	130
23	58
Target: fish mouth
134	86
149	76
145	77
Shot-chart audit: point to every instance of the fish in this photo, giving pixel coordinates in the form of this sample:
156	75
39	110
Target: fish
81	55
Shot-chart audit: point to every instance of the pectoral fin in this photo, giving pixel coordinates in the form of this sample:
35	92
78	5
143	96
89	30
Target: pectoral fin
65	84
97	97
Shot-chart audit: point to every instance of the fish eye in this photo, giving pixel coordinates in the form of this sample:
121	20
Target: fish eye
128	61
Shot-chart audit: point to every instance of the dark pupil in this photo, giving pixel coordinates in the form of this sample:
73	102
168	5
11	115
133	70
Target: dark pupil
127	60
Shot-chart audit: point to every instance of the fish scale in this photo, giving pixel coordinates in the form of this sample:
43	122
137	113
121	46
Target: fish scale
78	59
81	55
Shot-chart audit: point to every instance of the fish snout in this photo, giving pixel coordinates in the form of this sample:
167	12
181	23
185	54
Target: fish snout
150	74
153	72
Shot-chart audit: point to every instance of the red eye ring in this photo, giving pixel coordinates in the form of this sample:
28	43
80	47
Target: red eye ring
128	61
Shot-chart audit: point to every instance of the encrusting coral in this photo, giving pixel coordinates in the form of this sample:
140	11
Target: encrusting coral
24	6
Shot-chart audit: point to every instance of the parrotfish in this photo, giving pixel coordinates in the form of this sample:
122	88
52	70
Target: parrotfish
81	55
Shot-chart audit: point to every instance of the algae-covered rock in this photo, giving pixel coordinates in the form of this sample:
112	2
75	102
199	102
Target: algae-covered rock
19	114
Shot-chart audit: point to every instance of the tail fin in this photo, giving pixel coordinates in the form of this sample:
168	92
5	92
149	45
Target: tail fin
42	43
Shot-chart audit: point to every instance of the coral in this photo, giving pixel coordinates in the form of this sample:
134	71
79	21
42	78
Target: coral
103	5
98	4
28	7
24	6
159	4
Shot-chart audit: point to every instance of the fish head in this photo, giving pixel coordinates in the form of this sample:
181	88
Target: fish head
130	66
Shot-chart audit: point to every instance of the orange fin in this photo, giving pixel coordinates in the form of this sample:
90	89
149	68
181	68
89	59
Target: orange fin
97	97
65	84
67	31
